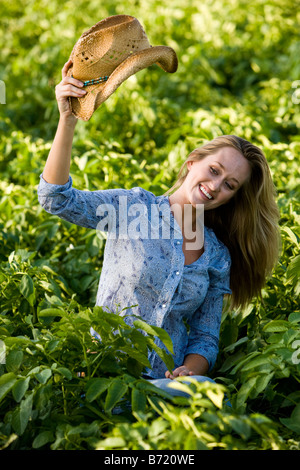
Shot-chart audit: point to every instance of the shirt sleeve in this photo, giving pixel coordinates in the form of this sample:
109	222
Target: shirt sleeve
205	324
91	209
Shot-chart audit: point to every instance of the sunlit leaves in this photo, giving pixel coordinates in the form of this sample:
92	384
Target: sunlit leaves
238	72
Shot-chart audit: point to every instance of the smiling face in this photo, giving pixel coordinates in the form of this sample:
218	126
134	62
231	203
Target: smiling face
215	179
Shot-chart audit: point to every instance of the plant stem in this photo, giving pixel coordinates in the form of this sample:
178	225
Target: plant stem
64	400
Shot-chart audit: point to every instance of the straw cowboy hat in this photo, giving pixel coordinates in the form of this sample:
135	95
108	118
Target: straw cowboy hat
109	53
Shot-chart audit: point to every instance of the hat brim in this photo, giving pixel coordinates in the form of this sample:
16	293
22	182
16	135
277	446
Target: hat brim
164	56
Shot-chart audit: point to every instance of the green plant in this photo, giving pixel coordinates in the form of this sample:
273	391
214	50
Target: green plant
238	65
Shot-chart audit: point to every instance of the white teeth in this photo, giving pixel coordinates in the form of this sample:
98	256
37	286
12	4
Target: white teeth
205	192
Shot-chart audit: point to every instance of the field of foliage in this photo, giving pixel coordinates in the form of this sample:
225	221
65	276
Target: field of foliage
239	73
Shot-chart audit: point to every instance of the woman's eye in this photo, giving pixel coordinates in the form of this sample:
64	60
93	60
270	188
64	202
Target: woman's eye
215	172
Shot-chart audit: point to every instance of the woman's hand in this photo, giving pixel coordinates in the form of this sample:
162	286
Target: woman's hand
194	364
180	371
68	87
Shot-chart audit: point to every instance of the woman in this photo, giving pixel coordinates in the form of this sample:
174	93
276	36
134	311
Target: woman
182	277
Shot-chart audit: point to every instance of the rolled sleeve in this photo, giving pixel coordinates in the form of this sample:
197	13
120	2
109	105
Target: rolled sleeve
84	208
205	328
68	203
205	324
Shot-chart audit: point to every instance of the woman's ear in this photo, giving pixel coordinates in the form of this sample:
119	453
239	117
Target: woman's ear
189	164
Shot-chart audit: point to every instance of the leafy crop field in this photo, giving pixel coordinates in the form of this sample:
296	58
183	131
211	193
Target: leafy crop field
238	73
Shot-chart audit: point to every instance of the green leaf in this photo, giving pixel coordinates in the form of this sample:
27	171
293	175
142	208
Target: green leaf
51	312
183	387
165	357
65	372
216	396
111	442
20	388
138	400
258	361
7	381
155	331
22	414
244	392
27	288
240	426
293	270
262	382
44	375
113	319
293	422
276	325
116	391
137	355
292	237
294	317
134	367
232	346
149	388
95	387
43	438
14	360
139	341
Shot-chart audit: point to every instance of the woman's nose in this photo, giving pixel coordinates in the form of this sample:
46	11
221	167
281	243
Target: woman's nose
215	185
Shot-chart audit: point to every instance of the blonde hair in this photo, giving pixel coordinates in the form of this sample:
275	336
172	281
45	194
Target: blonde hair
248	223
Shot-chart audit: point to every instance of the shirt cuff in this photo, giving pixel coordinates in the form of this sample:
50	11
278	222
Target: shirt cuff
46	188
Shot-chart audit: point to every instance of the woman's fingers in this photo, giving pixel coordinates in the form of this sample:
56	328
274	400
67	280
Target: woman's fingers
182	371
187	372
70	90
66	68
72	81
66	78
179	372
69	87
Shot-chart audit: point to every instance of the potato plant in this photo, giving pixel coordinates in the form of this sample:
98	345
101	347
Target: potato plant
59	388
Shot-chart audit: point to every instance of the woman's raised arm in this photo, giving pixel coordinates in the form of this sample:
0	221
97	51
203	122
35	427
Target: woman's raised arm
57	166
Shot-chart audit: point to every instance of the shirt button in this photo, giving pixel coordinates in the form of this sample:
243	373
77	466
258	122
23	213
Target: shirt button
178	242
164	305
177	272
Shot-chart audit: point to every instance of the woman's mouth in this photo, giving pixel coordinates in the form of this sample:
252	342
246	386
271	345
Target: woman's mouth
204	193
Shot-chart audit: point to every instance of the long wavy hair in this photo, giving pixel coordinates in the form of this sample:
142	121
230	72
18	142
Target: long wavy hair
247	224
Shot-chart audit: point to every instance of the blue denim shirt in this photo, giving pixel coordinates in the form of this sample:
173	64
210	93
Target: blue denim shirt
147	269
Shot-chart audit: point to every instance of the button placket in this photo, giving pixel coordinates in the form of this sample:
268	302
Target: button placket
177	261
